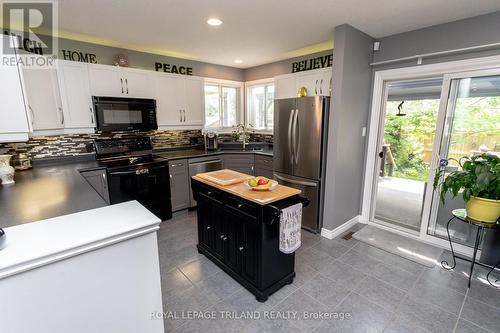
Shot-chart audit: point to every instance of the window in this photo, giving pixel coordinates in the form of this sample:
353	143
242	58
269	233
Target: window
222	105
260	106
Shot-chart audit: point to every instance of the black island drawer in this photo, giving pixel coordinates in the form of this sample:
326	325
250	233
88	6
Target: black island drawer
242	207
209	193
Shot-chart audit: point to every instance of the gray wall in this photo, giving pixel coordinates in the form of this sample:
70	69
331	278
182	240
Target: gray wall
143	60
475	31
349	113
277	68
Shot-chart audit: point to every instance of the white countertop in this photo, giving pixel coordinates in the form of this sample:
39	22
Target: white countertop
40	243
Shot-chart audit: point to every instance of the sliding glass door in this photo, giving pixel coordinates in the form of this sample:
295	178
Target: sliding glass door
406	137
471	125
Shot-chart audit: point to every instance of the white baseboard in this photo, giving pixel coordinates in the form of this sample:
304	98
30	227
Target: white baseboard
331	234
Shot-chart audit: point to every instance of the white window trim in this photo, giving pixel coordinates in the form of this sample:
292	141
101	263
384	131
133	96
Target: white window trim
249	84
444	69
241	107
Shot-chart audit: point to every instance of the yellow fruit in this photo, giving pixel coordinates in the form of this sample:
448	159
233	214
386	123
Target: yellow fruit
252	182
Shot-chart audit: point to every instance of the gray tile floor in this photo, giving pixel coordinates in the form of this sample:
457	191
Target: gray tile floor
381	291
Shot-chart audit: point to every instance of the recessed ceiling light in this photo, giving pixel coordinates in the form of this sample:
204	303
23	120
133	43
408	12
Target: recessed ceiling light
214	21
238	61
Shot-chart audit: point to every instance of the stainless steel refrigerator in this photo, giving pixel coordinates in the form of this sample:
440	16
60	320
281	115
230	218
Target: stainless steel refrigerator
300	128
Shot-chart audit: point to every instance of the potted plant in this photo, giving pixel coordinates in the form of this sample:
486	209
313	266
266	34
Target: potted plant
479	180
241	133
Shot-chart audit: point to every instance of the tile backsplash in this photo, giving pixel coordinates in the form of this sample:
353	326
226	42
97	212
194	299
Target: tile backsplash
46	147
42	147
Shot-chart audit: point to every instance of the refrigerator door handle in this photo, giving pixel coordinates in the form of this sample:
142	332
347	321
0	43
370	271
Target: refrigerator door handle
296	136
298	182
290	147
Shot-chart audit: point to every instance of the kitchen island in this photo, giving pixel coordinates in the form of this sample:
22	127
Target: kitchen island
238	229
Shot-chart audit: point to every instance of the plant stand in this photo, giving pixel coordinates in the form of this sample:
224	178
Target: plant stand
461	215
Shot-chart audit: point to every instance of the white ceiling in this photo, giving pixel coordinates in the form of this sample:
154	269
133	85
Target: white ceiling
256	31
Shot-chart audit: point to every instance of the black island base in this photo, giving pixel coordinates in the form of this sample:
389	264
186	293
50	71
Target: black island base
242	238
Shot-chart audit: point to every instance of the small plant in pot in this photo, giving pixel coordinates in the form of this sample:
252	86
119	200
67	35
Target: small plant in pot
479	180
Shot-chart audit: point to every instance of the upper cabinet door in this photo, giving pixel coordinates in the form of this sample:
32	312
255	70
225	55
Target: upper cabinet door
14	124
75	94
285	86
194	97
310	80
325	83
169	100
137	83
106	81
44	103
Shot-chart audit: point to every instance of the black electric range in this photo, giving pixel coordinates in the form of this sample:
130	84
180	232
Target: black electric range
135	173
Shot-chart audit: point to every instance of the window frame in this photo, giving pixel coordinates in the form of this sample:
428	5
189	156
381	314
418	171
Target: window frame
239	105
248	86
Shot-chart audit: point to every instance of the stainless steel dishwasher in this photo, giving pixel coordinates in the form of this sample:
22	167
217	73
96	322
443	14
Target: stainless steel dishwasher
200	165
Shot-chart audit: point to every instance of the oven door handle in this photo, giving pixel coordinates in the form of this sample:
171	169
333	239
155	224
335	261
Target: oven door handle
122	173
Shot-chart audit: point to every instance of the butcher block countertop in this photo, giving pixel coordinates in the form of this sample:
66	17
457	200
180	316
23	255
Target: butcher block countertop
259	197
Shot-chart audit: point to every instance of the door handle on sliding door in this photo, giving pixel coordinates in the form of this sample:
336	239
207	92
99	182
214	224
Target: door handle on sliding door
290	122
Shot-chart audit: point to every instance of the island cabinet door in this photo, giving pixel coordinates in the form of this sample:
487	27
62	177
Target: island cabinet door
207	221
232	241
249	249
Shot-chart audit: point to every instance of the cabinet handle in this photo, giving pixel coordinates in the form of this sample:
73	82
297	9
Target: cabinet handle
240	205
321	87
209	227
222	236
32	113
126	84
91	116
184	112
241	248
224	239
316	88
103	178
180	114
121	81
62	115
209	193
330	86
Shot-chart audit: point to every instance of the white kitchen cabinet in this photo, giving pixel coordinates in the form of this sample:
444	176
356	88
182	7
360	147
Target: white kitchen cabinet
117	81
285	86
309	80
325	82
137	83
194	97
169	99
106	81
14	120
76	98
317	82
43	99
180	100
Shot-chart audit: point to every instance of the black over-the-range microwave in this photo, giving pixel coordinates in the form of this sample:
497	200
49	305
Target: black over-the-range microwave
124	114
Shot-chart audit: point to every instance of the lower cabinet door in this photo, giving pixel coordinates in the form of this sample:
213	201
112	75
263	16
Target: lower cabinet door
207	217
233	240
249	248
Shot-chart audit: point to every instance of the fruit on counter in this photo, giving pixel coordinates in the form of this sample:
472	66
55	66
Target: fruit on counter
252	182
262	181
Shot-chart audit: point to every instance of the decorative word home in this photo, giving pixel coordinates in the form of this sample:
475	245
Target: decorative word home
313	63
79	56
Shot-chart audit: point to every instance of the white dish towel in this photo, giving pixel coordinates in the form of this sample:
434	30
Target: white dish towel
290	225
